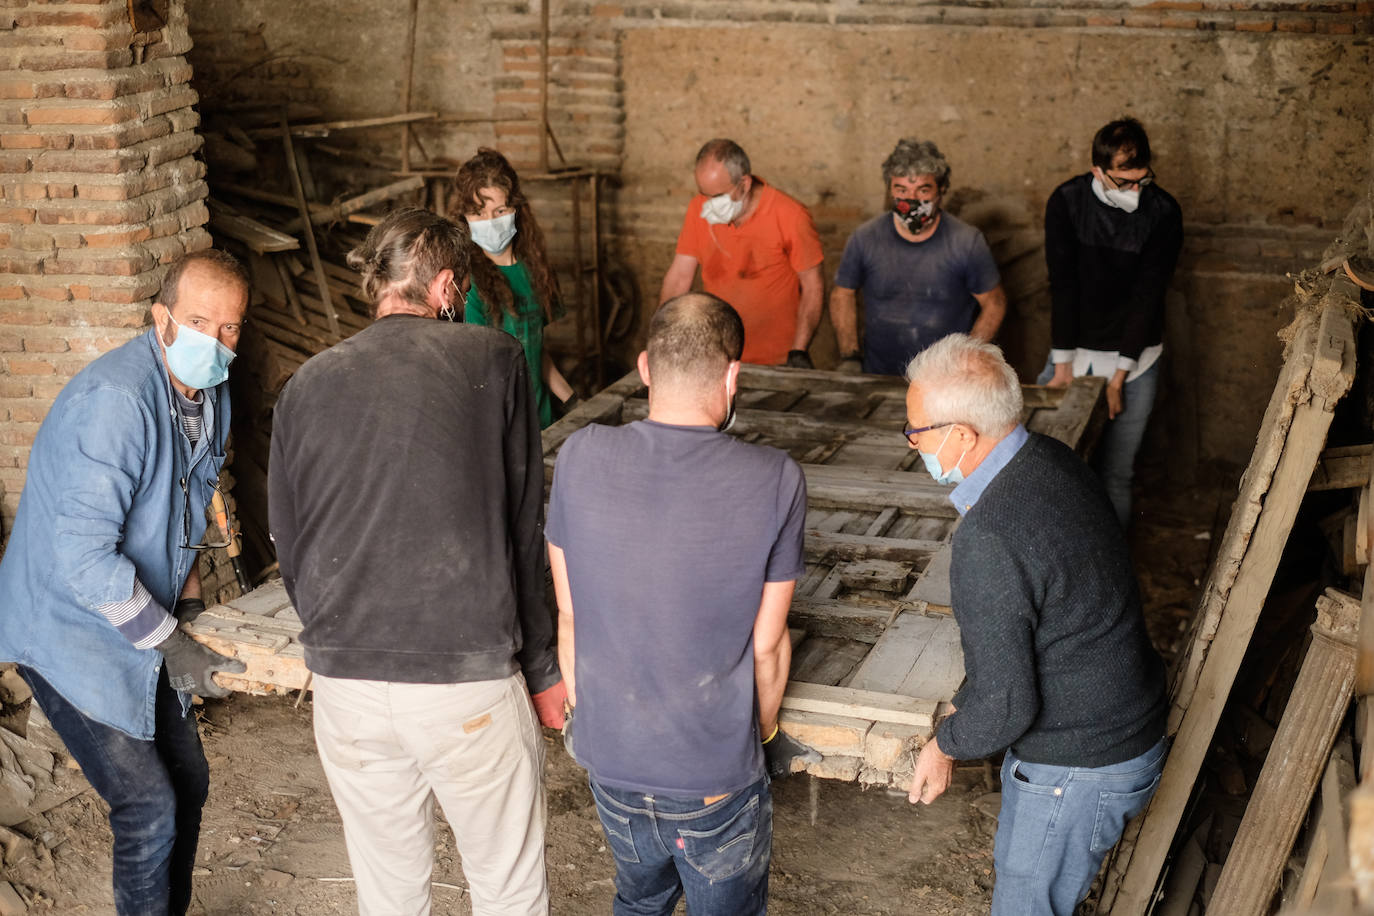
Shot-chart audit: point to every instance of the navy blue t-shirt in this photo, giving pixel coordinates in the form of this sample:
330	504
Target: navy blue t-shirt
914	292
669	533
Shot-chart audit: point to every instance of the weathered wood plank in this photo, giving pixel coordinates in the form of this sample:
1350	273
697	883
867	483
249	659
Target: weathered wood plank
859	704
933	587
849	619
826	659
821	545
939	671
897	652
1345	467
1283	792
1077	420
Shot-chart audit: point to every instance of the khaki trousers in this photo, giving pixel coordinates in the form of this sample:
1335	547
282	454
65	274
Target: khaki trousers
390	749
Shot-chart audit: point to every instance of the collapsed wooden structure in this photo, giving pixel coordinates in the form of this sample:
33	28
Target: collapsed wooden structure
875	649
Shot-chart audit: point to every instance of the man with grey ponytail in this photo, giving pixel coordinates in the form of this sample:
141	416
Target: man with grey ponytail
923	272
406	493
1060	673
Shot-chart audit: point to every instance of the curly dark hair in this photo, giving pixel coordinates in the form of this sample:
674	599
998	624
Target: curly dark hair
490	169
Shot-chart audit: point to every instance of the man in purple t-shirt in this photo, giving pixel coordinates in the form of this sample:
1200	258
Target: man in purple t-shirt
679	548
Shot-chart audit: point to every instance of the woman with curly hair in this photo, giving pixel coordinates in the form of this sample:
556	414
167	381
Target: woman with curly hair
513	287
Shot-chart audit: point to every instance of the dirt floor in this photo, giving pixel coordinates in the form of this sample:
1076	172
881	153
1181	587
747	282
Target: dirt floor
272	842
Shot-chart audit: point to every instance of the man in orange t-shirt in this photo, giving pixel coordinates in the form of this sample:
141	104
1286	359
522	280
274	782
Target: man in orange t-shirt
758	250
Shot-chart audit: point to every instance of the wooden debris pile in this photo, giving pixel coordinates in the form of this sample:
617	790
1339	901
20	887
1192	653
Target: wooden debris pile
36	775
1281	756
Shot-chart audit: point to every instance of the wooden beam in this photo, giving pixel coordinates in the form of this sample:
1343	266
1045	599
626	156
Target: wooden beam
259	237
325	128
849	619
1342	468
304	209
824	545
859	704
337	212
1278	806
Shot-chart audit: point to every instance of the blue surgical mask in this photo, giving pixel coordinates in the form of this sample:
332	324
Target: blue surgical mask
493	235
197	360
932	462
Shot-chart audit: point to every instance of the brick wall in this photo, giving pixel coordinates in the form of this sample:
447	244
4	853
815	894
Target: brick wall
99	188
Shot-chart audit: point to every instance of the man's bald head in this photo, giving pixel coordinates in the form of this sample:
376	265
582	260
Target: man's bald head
692	339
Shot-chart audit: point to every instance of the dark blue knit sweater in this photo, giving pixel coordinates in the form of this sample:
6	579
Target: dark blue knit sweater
1059	666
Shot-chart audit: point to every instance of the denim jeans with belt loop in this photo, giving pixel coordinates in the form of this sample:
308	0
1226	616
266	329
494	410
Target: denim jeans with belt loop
716	853
1057	824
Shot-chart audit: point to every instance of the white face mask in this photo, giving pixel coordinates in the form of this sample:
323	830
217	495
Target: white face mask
1114	197
721	209
493	235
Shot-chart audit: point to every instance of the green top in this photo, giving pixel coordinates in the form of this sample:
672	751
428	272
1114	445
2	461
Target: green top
526	326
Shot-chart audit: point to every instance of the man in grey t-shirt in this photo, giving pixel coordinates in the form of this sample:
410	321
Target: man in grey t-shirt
679	548
924	273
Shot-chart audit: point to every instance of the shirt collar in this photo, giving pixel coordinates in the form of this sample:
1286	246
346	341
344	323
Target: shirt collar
967	494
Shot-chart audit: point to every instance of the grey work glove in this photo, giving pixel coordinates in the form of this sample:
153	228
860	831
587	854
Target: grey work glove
798	359
850	364
190	665
781	753
188	609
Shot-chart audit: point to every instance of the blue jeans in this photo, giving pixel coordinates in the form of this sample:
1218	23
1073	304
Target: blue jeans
717	853
155	790
1057	824
1114	459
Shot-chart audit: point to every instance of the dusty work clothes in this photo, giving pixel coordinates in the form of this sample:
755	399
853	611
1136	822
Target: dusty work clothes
155	789
525	325
389	750
113	492
665	664
719	851
754	267
914	293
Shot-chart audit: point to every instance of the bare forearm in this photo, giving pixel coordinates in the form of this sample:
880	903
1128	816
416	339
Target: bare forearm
844	316
566	655
192	587
770	680
555	380
993	310
809	308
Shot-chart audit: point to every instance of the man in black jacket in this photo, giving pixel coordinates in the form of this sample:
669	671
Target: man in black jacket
406	490
1059	670
1112	239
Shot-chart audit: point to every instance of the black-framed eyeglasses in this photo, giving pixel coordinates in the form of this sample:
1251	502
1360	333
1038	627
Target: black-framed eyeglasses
1122	184
223	539
911	434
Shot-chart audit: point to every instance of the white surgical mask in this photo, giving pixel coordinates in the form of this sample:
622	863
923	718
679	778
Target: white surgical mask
721	209
493	235
1115	197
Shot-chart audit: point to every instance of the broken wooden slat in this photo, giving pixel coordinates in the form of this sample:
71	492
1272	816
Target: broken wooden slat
1344	467
828	617
337	212
858	547
1079	417
1317	373
304	210
325	128
1294	764
259	237
859	704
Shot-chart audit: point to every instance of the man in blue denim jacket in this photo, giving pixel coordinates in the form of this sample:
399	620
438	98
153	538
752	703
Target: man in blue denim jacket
101	566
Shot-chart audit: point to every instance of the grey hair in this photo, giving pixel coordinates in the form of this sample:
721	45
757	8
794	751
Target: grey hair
913	157
729	154
966	380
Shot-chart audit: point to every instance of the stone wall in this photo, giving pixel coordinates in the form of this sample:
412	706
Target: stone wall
99	188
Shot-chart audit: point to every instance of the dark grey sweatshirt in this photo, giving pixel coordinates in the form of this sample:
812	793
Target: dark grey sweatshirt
406	497
1058	664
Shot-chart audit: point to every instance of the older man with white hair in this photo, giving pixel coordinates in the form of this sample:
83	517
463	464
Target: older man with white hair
1060	671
